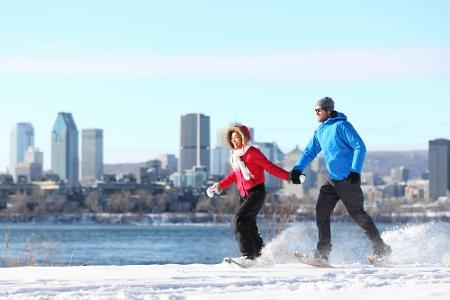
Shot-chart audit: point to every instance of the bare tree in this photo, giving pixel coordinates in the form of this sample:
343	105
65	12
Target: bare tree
143	201
120	202
92	203
205	204
20	203
229	203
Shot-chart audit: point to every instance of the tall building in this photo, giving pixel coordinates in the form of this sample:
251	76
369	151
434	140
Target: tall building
220	164
32	166
274	154
169	163
21	137
439	167
194	142
65	157
34	155
151	172
91	155
400	174
221	138
195	177
289	160
220	161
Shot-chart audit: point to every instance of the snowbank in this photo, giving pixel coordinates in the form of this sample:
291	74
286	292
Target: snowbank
419	269
222	281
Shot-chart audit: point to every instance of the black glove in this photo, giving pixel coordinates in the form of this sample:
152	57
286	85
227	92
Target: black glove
294	176
354	178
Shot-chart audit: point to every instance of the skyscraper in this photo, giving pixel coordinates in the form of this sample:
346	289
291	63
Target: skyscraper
221	138
22	137
194	142
91	155
65	157
220	165
220	161
274	154
32	166
439	167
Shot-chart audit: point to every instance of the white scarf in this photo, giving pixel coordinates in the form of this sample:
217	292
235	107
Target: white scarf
237	163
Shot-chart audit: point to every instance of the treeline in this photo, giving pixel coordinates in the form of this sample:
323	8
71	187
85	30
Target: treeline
40	202
141	201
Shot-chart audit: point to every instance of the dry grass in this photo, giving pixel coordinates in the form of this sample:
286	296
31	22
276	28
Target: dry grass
36	253
5	245
278	217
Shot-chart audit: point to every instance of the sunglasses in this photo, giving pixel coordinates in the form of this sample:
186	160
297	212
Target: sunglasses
318	110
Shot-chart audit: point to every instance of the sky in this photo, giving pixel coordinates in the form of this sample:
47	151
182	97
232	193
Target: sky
132	68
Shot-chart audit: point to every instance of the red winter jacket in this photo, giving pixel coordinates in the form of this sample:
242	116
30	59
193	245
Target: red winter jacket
256	162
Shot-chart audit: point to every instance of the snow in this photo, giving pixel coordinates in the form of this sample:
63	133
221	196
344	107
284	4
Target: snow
222	281
418	269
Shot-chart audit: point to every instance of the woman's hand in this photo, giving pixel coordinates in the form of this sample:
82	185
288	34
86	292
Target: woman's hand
214	189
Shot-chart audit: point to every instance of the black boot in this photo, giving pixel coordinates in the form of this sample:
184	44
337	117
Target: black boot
382	250
322	252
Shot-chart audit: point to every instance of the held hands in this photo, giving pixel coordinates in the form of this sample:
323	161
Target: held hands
354	178
296	177
214	189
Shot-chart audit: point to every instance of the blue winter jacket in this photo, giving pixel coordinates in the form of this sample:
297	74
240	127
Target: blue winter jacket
343	149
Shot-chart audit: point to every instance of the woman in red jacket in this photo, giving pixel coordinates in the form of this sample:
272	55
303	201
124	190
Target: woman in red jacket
248	164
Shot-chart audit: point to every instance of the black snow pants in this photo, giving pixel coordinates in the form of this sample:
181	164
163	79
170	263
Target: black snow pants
244	222
353	199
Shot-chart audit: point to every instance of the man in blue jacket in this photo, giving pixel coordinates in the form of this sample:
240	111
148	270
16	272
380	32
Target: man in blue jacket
344	153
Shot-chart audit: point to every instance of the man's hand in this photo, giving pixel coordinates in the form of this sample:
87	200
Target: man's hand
294	176
354	178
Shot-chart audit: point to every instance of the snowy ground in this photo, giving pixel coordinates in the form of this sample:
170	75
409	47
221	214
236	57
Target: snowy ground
419	268
222	281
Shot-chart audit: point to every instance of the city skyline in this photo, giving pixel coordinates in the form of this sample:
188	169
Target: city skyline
155	154
195	158
134	70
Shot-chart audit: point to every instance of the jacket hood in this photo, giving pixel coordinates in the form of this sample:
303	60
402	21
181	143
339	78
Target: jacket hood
337	117
243	131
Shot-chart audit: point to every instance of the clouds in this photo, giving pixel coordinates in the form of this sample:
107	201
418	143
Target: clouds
310	64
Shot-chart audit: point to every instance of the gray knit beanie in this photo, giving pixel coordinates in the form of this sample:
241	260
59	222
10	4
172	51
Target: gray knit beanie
326	102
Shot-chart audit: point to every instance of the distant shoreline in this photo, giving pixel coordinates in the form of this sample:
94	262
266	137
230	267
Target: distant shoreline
196	218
